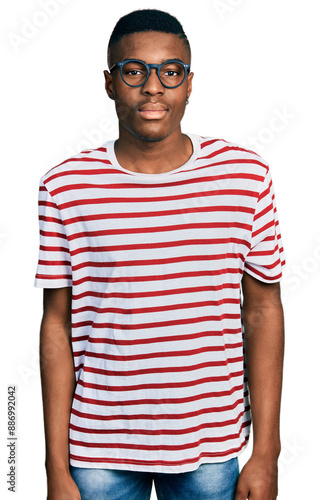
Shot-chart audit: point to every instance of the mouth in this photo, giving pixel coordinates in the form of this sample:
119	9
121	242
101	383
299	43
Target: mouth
153	111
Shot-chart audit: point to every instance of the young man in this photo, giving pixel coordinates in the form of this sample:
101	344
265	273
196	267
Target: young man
146	244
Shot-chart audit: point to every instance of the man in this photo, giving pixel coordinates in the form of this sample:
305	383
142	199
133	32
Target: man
146	244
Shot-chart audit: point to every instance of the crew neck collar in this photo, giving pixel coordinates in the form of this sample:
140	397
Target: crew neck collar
113	158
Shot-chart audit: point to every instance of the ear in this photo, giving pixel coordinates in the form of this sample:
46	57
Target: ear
108	84
190	78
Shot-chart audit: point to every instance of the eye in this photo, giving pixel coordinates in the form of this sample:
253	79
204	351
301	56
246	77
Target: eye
133	72
171	72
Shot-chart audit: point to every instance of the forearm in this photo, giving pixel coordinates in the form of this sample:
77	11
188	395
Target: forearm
264	346
58	383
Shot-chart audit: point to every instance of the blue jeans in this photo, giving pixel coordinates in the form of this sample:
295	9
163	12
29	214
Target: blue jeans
209	482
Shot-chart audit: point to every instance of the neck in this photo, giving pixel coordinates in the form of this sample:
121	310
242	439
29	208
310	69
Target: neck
147	157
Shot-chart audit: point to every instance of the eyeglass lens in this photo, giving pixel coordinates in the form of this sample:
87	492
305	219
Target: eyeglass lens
135	73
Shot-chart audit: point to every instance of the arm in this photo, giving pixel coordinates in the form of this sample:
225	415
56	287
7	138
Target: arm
264	344
58	384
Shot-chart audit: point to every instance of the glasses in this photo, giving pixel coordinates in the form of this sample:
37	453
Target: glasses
135	73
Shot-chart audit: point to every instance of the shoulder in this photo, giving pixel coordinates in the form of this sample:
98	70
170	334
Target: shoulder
83	163
220	151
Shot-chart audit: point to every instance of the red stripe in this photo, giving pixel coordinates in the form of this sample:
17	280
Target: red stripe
158	340
263	228
90	160
160	401
161	277
141	279
225	149
256	253
135	185
103	149
158	293
157	416
262	275
162	355
227	162
162	447
159	432
269	238
80	159
164	213
264	194
162	244
158	229
208	143
268	209
273	265
50	219
55	277
53	234
90	172
154	309
48	204
143	199
54	262
156	262
165	385
156	324
153	463
214	154
166	369
45	248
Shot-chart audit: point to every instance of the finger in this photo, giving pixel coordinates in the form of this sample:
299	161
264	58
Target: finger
241	494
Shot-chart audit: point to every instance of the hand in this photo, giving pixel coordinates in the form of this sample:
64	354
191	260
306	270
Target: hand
258	480
62	487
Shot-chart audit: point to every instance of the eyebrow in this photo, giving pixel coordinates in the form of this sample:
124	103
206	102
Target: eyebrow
166	60
176	58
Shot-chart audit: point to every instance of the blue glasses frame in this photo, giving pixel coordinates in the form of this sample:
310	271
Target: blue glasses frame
151	66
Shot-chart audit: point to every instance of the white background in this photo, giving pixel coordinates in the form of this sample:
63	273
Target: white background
257	82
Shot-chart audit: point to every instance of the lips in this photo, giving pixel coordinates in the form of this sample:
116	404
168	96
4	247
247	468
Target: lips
153	111
153	107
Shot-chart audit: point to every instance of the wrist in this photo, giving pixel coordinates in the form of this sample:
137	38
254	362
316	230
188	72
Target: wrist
54	467
266	452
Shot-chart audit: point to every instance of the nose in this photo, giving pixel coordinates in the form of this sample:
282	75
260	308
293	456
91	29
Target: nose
153	85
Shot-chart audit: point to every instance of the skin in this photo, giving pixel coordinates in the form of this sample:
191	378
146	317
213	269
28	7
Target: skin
58	384
264	341
151	141
150	138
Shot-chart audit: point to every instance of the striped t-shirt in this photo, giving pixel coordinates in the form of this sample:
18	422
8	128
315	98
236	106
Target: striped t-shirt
155	262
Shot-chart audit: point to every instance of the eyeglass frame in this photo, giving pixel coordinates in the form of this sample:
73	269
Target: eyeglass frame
151	66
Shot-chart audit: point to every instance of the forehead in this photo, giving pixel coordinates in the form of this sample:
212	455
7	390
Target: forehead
151	47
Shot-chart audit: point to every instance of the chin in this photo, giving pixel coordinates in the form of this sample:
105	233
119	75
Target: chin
151	137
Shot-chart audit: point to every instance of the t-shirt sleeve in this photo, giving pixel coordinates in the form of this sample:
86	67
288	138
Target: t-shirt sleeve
266	258
54	264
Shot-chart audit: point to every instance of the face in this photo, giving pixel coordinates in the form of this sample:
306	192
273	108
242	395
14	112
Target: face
151	112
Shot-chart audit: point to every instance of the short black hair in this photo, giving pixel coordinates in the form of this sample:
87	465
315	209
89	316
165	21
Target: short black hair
145	20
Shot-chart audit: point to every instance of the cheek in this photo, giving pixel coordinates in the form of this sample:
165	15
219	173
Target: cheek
179	107
123	107
178	102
